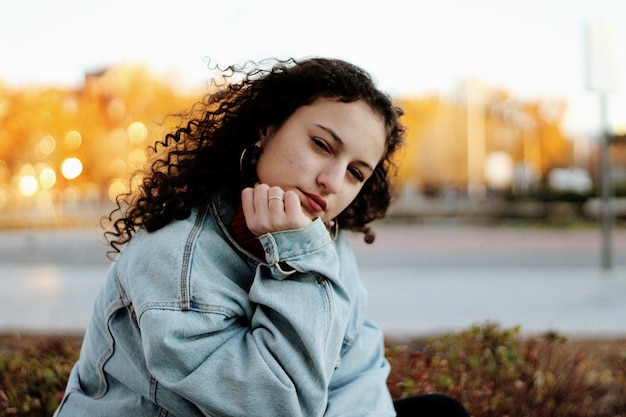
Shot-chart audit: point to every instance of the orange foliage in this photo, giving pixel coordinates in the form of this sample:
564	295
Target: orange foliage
436	154
42	127
108	123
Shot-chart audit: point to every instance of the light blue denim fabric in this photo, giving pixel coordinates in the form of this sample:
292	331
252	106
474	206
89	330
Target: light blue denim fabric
188	324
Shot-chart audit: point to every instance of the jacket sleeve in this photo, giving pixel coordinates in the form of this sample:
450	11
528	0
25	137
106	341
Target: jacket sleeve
359	385
276	362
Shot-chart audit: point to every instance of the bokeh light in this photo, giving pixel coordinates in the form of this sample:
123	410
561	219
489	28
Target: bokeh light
45	147
116	187
47	178
27	170
73	140
28	186
137	132
71	168
499	170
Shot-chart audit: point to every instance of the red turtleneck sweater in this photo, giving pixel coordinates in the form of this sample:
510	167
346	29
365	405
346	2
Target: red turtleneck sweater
244	236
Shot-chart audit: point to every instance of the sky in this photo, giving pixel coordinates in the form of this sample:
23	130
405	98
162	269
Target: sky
534	49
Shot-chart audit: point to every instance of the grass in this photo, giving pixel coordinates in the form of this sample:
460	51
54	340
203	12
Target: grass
493	371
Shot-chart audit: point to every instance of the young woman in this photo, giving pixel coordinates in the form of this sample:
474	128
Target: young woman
236	292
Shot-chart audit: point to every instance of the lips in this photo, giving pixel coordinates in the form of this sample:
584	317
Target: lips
315	202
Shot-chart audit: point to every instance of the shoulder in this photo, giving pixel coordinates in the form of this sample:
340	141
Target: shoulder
165	249
172	236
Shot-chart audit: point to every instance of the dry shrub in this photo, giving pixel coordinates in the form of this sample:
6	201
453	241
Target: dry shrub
33	374
494	372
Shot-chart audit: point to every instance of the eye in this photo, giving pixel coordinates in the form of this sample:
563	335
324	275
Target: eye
356	174
321	145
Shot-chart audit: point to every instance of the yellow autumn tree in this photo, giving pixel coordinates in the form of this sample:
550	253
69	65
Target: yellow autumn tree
436	154
108	122
106	125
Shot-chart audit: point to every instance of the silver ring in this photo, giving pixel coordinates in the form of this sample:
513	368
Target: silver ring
275	197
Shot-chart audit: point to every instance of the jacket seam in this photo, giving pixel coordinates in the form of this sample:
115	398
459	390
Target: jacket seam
125	300
153	389
218	310
106	354
222	226
185	274
327	297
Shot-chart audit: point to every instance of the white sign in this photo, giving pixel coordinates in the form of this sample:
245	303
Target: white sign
601	57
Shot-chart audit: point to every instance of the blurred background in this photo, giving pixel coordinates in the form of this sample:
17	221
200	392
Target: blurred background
497	94
516	111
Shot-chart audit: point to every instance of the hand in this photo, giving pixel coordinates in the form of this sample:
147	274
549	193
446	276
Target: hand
270	209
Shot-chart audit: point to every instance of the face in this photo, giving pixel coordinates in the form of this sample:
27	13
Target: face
324	152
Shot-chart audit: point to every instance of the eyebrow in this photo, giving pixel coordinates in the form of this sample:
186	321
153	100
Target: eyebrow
337	139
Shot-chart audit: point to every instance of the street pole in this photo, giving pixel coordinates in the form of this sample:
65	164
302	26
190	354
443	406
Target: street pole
601	79
607	186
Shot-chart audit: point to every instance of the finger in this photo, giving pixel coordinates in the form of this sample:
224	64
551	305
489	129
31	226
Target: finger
293	210
261	195
292	203
247	201
276	198
255	210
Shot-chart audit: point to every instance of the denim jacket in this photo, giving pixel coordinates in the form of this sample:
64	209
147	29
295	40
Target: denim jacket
188	323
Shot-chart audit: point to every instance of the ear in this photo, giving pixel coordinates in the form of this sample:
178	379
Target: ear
265	133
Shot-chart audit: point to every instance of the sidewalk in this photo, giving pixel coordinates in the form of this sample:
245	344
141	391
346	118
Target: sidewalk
573	301
403	300
421	280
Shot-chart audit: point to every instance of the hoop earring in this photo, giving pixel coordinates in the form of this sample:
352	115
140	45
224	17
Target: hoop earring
333	230
250	152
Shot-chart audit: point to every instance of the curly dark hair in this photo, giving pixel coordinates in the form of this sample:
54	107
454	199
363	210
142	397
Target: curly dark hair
203	154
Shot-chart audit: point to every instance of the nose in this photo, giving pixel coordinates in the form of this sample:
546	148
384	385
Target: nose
331	178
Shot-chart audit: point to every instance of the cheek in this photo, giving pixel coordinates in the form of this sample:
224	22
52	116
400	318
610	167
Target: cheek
261	170
294	160
345	200
275	167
